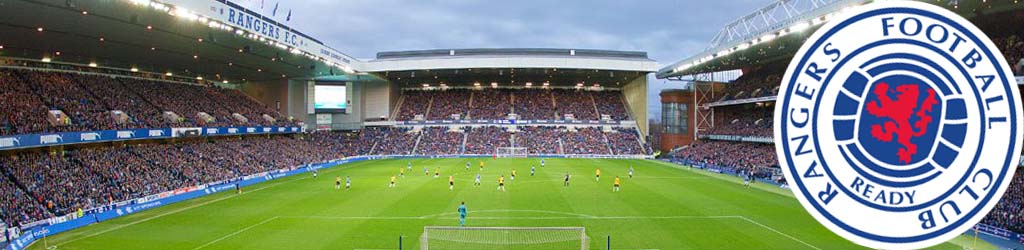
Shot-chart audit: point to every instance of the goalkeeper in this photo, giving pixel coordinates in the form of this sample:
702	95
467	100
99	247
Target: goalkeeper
462	214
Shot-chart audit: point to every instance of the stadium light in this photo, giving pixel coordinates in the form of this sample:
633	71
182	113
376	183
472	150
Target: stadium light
199	78
46	59
494	84
40	29
169	74
225	81
546	84
93	64
529	84
477	84
799	27
134	69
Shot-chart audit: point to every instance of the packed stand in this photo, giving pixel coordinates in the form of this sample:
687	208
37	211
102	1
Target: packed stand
88	101
539	140
585	141
57	182
486	140
746	157
128	175
534	104
1012	47
625	142
111	93
345	144
610	103
414	103
439	141
237	102
37	185
393	141
18	206
491	104
22	111
759	82
744	120
1009	212
447	103
579	103
60	92
183	161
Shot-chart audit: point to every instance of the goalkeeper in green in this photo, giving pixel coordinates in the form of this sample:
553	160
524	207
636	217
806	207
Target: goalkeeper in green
462	214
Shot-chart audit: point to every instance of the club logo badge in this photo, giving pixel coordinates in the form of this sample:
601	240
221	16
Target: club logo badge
898	125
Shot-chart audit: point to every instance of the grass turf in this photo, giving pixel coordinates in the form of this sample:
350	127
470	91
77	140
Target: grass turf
662	207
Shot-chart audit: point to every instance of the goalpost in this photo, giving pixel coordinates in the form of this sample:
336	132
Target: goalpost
511	152
539	238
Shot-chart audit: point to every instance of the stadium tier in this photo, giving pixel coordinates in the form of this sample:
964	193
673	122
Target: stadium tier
47	102
527	104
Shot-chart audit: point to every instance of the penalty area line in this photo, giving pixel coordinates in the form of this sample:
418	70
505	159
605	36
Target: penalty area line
332	169
172	212
235	233
778	232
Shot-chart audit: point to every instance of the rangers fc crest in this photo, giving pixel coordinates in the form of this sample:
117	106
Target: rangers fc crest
898	125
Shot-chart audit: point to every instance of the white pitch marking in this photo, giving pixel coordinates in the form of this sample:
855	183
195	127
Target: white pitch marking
235	233
777	231
169	213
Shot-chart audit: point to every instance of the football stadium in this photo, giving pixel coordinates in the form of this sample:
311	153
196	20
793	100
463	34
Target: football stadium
210	124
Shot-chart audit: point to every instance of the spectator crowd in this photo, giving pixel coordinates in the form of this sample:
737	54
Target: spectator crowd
94	102
498	103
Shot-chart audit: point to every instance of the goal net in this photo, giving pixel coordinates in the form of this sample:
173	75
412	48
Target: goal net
511	152
539	238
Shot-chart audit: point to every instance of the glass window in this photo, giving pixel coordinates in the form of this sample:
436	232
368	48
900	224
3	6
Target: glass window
674	117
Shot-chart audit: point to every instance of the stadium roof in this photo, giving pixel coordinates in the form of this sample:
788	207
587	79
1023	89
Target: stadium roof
514	66
163	37
778	30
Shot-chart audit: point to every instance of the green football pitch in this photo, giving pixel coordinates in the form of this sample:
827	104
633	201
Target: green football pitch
663	206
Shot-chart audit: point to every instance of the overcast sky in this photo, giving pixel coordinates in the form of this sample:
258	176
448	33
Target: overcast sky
668	30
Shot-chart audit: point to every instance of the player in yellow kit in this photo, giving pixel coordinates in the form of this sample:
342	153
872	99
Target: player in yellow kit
598	174
451	182
513	175
481	165
501	183
401	172
615	187
437	173
393	179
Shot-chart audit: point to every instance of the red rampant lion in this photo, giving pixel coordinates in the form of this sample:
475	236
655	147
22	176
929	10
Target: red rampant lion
899	112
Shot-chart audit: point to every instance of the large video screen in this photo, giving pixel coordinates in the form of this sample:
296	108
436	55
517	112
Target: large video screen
330	98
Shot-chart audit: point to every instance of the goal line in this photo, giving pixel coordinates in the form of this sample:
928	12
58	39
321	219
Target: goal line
541	238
